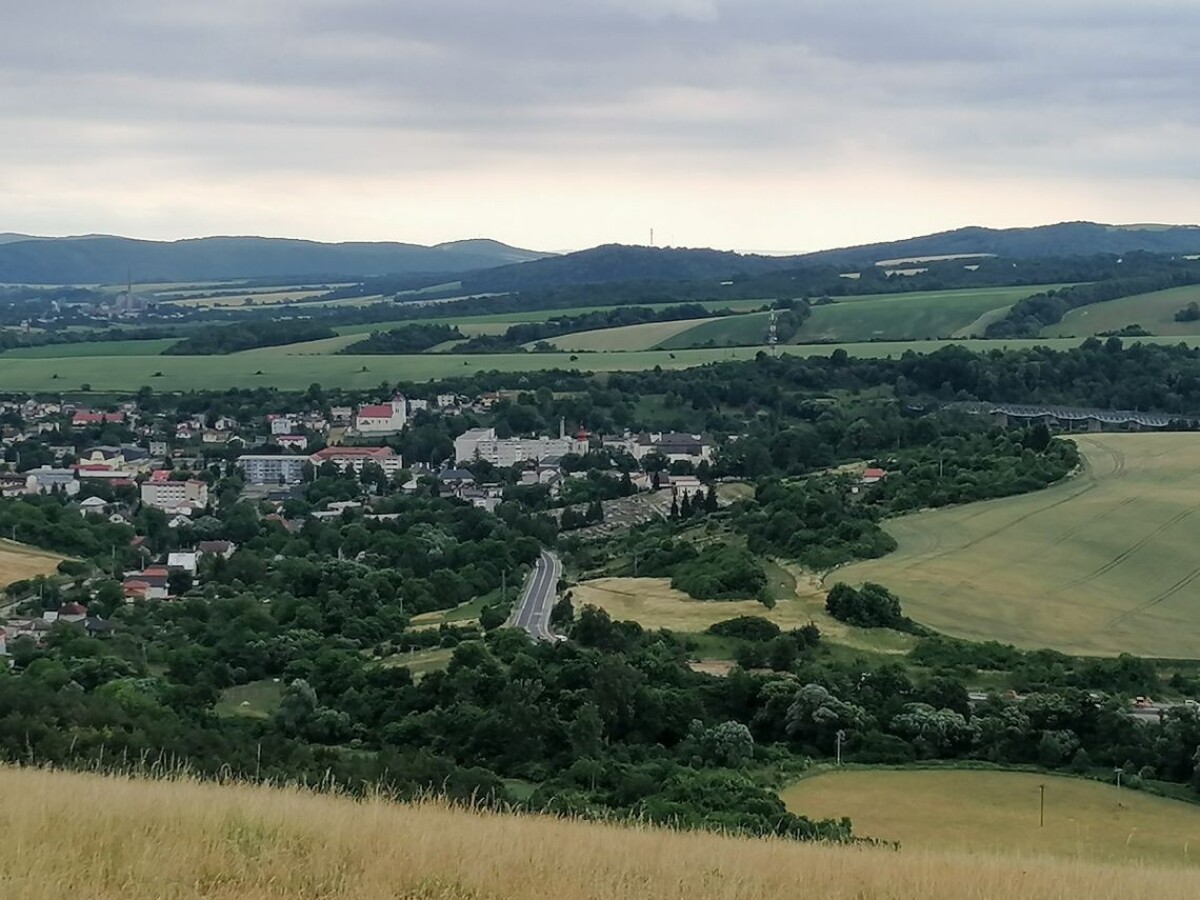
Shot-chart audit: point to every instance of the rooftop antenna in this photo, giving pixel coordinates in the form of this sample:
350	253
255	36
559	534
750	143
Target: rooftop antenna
651	237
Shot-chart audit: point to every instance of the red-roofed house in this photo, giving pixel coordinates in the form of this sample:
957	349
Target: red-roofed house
354	458
383	418
84	418
872	475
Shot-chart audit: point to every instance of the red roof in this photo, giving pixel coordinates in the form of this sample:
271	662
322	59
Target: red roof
380	411
875	473
160	475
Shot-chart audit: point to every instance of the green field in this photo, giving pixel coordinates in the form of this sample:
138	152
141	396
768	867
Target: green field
256	700
92	349
912	316
1101	564
1154	312
999	812
727	331
645	336
291	371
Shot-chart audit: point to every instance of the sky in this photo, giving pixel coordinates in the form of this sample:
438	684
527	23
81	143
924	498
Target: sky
768	125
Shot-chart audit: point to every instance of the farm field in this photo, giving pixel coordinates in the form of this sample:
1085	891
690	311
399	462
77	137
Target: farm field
290	371
1101	564
20	561
729	330
914	316
232	840
238	299
1154	312
997	812
919	315
645	336
653	603
92	348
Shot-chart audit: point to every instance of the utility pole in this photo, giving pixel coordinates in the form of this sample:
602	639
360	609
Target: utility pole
840	736
1042	812
1119	773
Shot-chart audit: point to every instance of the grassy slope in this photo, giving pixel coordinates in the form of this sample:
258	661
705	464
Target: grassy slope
653	603
92	349
1155	312
998	812
116	373
728	331
627	337
902	317
137	840
1101	564
20	561
916	316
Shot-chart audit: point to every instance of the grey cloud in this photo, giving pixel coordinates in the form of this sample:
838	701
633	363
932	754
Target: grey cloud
1040	87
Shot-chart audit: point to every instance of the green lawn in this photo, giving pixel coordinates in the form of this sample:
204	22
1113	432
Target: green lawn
1155	312
256	700
421	662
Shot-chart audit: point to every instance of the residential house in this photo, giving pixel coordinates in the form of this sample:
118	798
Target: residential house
223	549
95	506
85	418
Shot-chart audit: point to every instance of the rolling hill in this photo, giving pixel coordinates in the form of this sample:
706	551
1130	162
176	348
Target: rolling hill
107	837
102	259
1062	239
619	262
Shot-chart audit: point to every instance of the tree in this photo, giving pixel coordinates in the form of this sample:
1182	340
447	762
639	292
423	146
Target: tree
816	715
179	582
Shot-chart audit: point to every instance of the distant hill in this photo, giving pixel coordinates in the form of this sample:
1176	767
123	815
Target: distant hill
1063	239
107	259
619	262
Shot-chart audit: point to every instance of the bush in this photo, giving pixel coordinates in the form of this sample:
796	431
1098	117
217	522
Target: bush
747	628
872	606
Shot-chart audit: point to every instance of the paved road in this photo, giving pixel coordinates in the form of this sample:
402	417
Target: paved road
533	612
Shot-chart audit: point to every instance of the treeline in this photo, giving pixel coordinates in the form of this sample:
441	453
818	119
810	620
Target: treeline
222	339
415	338
12	339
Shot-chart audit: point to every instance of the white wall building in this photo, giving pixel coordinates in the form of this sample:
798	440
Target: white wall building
175	495
482	443
383	418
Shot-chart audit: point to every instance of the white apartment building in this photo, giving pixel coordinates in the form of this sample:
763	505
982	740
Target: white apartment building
482	443
175	495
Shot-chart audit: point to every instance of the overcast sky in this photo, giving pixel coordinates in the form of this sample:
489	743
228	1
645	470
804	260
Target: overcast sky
558	124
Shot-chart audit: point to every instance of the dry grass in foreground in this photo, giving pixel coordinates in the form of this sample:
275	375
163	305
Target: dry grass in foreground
87	836
20	561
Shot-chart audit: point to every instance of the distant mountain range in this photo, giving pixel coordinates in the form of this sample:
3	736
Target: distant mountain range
486	265
1063	239
618	262
105	259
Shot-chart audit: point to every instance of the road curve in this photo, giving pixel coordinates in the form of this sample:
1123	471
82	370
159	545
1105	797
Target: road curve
532	614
